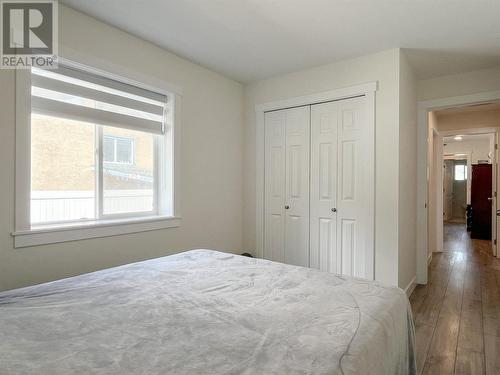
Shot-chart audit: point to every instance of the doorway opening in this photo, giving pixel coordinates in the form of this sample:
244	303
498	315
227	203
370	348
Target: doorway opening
463	178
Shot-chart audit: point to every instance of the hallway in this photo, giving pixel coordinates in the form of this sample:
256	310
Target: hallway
457	314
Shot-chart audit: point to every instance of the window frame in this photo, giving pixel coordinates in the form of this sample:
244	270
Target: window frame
166	150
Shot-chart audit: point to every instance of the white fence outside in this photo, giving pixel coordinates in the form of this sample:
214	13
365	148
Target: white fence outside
54	206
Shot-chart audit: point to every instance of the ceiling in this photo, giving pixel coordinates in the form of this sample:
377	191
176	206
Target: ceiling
249	40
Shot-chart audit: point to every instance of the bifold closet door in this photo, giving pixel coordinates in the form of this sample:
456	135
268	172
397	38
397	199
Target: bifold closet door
342	188
286	221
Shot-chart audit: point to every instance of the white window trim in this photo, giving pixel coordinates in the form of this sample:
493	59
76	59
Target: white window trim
93	229
168	178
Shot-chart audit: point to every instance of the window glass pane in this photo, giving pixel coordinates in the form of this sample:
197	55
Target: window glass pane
109	149
62	170
124	150
128	184
460	172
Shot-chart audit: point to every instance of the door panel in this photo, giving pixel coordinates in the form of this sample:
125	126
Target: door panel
348	239
481	201
347	171
297	143
295	251
274	220
326	255
286	237
356	183
324	127
276	246
341	126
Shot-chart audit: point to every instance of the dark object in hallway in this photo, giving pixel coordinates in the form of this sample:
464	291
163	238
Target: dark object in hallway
468	214
481	201
247	255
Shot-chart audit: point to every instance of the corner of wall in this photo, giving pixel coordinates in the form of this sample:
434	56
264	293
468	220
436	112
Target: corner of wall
407	194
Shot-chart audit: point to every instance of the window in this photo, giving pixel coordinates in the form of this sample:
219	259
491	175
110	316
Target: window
118	150
460	172
100	151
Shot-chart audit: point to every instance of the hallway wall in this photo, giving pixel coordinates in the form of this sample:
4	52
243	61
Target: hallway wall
459	84
435	216
460	120
479	149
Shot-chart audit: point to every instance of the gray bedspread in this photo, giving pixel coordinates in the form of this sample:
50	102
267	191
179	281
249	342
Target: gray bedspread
206	312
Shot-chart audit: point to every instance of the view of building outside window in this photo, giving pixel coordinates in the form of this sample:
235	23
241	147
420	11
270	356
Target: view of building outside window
128	178
63	174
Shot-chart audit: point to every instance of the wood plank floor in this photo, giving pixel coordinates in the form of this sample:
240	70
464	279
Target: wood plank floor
457	314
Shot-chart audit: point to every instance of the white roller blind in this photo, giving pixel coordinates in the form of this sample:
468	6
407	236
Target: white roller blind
83	96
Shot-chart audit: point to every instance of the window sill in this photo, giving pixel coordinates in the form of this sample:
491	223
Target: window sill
47	234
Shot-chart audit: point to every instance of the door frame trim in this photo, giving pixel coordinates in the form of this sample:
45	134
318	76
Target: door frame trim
367	89
424	107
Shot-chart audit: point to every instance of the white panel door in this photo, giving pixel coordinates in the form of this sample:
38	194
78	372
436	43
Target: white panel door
274	200
297	186
286	221
324	124
342	188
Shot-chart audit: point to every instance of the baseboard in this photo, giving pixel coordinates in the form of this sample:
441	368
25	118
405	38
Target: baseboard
411	287
429	258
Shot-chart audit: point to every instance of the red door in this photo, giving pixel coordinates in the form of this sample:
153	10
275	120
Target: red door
481	201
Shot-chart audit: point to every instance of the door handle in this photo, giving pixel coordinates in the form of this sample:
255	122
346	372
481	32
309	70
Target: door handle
490	198
498	212
334	209
287	207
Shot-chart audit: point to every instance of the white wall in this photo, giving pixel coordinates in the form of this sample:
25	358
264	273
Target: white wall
407	219
382	67
211	162
469	120
431	182
478	149
434	162
459	84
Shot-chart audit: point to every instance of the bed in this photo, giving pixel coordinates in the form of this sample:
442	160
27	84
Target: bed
206	312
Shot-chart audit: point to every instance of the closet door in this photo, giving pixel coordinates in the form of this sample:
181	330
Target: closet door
342	188
297	186
286	221
274	200
324	124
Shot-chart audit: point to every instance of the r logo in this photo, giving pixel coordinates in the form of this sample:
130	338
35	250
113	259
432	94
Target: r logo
27	28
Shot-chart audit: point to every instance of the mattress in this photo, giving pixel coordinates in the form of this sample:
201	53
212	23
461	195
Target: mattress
206	312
